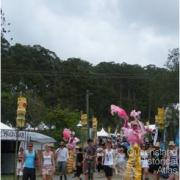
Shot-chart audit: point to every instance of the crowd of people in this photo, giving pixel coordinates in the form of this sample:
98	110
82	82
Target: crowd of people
110	158
107	157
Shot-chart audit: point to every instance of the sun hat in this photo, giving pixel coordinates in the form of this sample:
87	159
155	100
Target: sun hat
50	145
171	143
157	144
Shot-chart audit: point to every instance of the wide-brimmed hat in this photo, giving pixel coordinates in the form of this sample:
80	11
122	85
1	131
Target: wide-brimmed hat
50	145
171	143
157	144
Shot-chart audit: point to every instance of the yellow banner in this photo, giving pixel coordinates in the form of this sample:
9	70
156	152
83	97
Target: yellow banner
84	119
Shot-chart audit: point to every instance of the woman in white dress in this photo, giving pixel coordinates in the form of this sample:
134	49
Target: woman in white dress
108	161
120	161
144	162
19	170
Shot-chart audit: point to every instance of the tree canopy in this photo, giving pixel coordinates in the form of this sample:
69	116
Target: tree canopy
56	88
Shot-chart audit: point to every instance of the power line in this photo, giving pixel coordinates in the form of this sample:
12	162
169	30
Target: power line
76	74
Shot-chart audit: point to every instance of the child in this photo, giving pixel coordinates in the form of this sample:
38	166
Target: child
19	170
79	163
100	155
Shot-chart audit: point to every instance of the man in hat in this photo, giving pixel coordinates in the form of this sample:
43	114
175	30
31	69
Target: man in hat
156	161
173	155
61	159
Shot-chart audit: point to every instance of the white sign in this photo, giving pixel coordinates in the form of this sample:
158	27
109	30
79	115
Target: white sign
12	134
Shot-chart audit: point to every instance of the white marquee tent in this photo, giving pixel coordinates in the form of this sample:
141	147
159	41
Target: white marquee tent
8	133
102	133
4	126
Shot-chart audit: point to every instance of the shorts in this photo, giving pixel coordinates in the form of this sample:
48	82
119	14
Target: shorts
29	173
144	163
173	169
47	170
108	171
88	166
62	167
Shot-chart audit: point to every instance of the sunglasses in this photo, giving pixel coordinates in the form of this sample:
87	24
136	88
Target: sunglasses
30	146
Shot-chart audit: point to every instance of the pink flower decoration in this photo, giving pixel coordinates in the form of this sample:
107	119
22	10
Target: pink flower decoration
121	112
135	114
66	133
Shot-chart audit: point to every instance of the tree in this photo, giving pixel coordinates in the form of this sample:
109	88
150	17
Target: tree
56	88
173	60
61	118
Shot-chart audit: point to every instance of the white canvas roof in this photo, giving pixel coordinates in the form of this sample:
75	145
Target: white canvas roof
41	138
4	126
8	133
102	133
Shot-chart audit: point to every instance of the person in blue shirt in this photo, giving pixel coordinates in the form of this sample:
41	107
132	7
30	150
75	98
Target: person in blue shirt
30	158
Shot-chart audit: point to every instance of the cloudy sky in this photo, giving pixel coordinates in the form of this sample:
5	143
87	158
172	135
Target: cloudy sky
131	31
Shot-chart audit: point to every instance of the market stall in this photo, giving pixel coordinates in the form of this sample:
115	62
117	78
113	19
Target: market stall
9	136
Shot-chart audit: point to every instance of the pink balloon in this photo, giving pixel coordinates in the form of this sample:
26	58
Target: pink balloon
66	133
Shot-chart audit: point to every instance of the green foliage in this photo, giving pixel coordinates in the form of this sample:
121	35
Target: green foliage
8	108
56	89
61	118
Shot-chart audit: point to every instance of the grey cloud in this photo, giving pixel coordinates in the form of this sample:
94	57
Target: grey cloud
100	30
162	15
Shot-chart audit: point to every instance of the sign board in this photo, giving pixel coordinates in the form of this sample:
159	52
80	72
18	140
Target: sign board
12	134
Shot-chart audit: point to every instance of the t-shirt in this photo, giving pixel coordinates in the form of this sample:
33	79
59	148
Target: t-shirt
90	151
47	159
120	158
30	157
62	154
144	155
108	157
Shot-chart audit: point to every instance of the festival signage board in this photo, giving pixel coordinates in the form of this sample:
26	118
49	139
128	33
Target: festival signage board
12	135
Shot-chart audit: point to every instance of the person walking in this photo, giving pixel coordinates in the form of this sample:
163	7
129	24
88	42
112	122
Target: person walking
99	160
144	162
156	161
89	160
48	164
108	160
61	159
79	163
120	161
30	159
173	161
19	170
